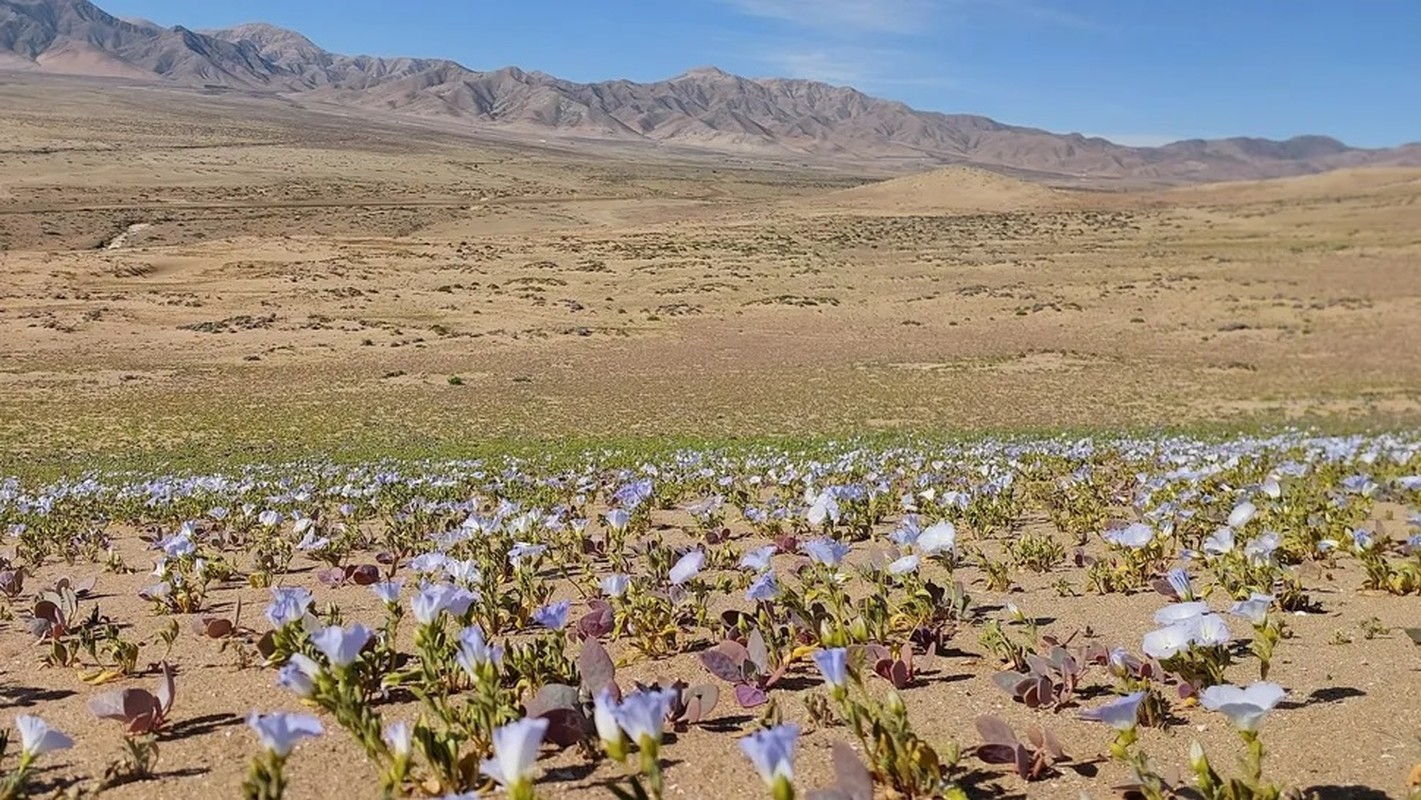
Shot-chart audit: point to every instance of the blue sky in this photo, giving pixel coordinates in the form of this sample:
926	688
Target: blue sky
1137	71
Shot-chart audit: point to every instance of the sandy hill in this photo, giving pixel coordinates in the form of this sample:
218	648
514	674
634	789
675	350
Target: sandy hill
942	191
1356	182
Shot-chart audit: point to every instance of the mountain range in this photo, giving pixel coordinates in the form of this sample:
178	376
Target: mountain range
705	108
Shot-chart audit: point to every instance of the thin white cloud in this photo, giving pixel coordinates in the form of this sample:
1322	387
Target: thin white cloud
866	18
870	69
880	46
845	17
817	65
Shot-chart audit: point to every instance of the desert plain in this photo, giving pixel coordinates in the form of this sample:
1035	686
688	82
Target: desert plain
183	272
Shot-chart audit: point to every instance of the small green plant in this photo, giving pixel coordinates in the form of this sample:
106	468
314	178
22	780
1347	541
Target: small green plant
1372	628
1038	552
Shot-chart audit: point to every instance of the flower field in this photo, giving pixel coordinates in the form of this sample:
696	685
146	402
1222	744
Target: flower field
1150	617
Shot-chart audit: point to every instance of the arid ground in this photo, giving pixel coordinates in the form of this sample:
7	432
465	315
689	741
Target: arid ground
185	273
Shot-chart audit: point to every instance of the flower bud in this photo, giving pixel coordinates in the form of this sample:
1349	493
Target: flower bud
896	707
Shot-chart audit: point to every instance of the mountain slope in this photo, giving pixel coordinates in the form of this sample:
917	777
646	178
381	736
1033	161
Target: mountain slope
703	108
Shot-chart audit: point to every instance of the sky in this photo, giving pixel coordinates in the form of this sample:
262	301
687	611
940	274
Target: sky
1139	72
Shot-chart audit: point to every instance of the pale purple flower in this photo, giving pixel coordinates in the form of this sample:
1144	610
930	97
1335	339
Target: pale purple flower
553	615
515	750
311	541
904	565
824	507
1180	612
907	532
1271	487
1169	640
615	585
1259	551
687	567
828	552
938	537
428	562
399	738
179	545
758	559
1254	609
388	591
475	650
1362	540
604	716
764	589
772	752
1242	513
464	572
1134	536
618	519
37	738
298	675
1122	713
1179	581
1245	708
433	599
1118	662
834	664
288	605
642	714
528	551
340	646
279	732
1219	542
1210	630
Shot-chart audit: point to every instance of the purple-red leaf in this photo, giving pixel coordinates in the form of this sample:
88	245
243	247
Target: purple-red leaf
596	623
900	674
363	574
596	666
1024	766
700	701
994	730
166	689
997	753
213	627
551	697
758	654
565	726
749	695
723	666
332	577
1052	746
1013	683
137	709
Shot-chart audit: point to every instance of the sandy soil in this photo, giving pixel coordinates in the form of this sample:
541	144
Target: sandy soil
1362	689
